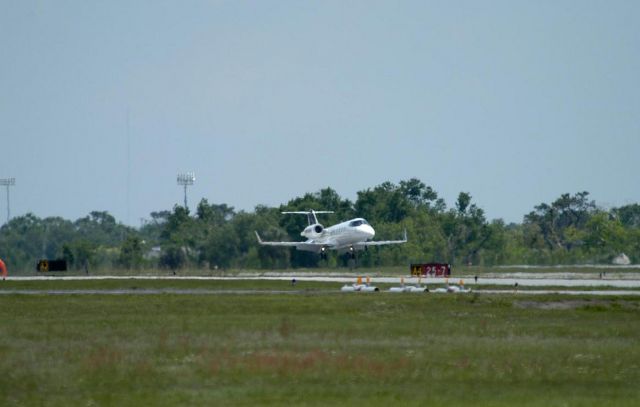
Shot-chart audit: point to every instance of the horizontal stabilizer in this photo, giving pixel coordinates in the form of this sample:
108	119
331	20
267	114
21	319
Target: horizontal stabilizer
311	215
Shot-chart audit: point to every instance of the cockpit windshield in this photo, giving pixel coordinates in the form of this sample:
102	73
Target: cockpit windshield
357	222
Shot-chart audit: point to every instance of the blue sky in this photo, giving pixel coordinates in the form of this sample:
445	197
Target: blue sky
514	102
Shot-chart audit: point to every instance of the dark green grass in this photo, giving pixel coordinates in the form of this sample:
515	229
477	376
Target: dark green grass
186	284
371	349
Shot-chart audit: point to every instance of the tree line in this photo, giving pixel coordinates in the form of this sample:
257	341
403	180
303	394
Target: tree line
569	230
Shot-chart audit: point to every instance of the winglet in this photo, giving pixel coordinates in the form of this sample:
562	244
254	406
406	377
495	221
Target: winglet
405	234
258	236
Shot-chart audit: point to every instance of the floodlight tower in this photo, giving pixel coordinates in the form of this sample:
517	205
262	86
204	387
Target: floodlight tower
186	179
8	182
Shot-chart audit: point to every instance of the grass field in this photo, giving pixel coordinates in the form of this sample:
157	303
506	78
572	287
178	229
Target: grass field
316	348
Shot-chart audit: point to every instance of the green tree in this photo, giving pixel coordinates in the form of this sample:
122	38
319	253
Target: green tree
385	203
605	235
214	214
178	239
131	253
84	254
628	215
566	211
466	230
221	249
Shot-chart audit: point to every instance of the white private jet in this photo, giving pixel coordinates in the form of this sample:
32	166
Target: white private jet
349	236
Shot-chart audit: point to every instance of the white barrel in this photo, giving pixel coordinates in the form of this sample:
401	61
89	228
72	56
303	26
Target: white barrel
358	287
414	289
408	289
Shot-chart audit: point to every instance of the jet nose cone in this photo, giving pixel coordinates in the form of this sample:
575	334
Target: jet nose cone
369	231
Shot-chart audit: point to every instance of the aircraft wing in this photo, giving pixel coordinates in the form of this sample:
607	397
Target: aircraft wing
262	242
384	242
306	246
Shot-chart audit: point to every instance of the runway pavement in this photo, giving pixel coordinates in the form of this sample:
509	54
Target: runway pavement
617	286
301	292
525	280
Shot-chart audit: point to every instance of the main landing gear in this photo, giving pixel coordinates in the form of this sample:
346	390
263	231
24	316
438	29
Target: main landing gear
353	261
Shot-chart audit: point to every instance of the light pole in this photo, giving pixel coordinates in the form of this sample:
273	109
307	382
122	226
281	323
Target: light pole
186	179
8	182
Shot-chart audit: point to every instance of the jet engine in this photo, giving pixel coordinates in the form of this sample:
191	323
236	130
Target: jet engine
313	231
